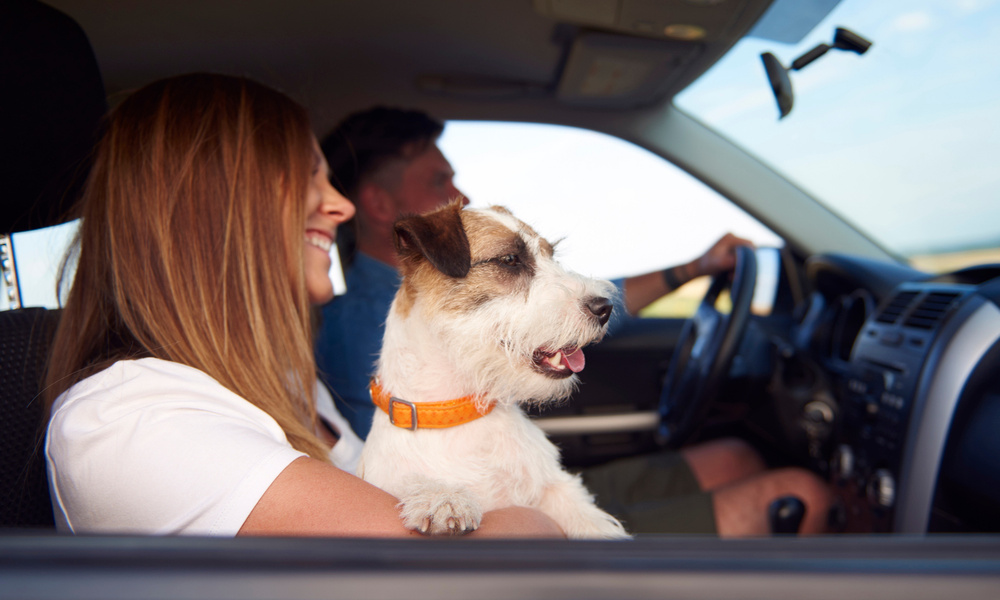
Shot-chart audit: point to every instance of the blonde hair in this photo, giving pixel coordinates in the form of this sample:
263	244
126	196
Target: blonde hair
190	247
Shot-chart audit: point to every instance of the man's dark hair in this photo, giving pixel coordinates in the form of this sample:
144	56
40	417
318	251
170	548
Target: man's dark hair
366	140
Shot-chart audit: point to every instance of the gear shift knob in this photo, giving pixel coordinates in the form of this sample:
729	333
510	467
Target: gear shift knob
785	515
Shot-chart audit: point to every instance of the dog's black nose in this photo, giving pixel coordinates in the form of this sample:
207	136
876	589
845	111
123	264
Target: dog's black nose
600	307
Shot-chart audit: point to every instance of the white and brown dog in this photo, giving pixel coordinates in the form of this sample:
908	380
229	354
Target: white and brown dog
485	320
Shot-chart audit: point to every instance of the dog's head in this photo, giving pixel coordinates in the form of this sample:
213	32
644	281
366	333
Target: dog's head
484	289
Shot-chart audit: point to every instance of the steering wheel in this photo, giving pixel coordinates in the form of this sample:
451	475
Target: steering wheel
705	351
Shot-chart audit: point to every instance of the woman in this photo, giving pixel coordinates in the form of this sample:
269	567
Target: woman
182	385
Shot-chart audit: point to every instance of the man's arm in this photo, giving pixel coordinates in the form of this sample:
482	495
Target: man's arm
643	290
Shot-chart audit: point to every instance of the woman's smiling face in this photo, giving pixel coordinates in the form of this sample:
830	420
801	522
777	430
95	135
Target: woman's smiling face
326	209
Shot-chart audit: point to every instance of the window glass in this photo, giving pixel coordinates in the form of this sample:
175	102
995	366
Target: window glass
38	256
897	141
618	209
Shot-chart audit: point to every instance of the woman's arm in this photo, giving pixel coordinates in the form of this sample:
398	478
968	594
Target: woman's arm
313	498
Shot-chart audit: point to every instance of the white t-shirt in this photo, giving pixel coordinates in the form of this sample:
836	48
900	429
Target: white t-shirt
155	447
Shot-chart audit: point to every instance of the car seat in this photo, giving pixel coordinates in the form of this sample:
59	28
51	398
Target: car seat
24	492
53	102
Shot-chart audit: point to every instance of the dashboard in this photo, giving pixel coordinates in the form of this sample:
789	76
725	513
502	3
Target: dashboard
904	373
883	379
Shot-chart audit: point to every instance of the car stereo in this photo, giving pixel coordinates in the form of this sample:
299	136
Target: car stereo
878	397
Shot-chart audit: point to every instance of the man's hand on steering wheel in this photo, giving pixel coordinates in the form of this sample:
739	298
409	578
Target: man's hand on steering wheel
721	257
707	344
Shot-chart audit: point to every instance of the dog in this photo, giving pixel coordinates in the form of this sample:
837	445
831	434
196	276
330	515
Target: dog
484	322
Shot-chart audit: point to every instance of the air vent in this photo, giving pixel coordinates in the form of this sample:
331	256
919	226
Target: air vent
930	310
895	309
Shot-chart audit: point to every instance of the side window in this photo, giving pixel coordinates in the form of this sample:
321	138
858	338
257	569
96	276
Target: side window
36	258
618	209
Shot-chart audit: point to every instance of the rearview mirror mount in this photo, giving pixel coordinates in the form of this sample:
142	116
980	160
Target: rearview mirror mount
777	74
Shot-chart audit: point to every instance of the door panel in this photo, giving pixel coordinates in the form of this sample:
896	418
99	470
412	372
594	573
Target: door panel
613	412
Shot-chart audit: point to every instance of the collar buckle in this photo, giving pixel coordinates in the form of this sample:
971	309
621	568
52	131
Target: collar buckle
408	404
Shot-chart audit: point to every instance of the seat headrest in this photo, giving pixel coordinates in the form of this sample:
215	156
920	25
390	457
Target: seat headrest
51	105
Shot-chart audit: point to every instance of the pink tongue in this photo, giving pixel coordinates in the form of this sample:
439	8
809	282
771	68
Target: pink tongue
575	361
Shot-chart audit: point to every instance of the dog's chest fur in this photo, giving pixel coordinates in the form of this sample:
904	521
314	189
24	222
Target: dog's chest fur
502	458
484	311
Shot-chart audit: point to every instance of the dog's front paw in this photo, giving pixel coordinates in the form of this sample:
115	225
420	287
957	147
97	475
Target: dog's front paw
606	528
435	508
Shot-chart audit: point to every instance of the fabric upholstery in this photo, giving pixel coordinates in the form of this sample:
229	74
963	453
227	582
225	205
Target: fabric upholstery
25	336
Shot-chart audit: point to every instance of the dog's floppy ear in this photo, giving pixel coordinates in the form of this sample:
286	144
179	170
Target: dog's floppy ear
437	237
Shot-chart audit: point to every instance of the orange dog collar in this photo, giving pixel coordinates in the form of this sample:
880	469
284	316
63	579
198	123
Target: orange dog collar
425	415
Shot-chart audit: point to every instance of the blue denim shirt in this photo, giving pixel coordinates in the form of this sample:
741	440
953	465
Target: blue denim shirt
350	337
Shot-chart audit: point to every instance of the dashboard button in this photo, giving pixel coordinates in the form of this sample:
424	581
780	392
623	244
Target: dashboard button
843	460
882	489
891	338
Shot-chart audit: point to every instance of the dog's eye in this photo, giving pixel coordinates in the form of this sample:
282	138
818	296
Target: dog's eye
509	260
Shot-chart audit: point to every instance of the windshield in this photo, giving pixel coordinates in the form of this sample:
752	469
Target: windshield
901	141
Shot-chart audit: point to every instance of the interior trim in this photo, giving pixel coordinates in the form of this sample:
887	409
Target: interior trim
588	424
933	412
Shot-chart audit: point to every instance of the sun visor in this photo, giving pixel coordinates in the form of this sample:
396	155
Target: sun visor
613	71
681	20
789	21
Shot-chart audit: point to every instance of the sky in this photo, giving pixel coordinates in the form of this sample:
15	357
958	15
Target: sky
901	140
618	209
